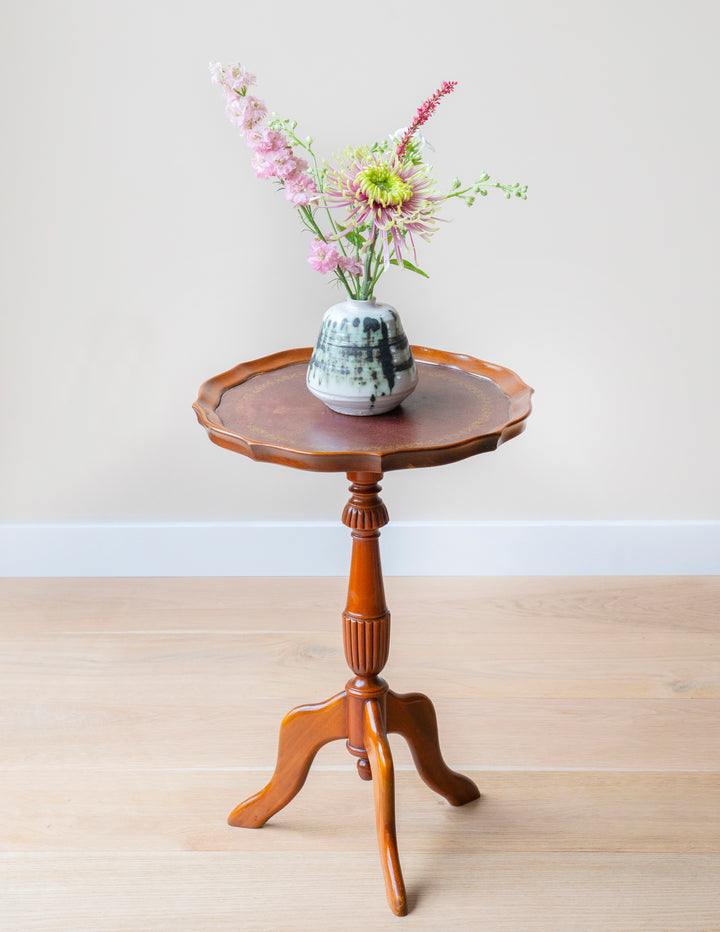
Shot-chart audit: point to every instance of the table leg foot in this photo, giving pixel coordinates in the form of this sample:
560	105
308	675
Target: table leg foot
303	732
381	765
413	716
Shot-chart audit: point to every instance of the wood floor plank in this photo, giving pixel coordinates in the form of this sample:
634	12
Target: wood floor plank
291	604
282	664
168	604
78	811
323	893
196	723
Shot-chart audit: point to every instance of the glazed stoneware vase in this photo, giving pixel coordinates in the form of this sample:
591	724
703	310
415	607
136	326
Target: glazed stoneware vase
362	363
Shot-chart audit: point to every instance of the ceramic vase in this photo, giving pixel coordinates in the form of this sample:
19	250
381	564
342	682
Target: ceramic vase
362	363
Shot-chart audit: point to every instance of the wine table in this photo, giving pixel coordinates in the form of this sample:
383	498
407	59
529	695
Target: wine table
461	407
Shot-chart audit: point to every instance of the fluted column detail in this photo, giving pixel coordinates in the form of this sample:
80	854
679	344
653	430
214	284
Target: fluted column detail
367	643
366	619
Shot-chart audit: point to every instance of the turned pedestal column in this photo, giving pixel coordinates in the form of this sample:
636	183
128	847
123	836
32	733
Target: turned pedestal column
366	619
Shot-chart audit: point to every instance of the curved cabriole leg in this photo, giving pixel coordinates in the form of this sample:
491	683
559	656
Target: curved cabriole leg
303	732
381	765
413	716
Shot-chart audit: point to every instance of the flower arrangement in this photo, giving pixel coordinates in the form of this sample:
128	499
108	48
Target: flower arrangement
365	209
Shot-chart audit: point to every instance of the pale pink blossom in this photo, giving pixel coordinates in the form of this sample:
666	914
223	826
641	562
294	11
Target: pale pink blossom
324	257
350	265
263	167
281	163
262	139
238	77
288	165
231	77
274	158
301	190
244	111
255	111
216	72
235	107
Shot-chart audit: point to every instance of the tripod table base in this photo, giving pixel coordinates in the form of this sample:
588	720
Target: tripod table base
363	714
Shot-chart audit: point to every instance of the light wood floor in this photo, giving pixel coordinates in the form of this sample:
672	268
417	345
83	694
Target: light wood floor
135	714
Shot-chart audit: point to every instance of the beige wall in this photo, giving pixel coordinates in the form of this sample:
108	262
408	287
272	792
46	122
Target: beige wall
142	255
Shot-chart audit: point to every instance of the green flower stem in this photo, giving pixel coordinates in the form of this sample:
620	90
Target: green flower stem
477	187
367	283
379	269
319	177
341	275
288	128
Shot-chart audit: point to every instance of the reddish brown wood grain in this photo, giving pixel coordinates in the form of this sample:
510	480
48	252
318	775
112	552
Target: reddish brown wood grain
303	732
383	772
413	716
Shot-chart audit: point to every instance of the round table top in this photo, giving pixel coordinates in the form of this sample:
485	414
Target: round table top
461	406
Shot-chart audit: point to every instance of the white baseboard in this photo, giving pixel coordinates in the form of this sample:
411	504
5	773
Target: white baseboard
494	548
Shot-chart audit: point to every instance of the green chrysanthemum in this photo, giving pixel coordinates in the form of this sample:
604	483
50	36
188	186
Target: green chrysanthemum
381	185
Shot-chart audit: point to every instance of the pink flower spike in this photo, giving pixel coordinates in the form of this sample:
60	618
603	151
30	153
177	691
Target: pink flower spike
425	111
324	257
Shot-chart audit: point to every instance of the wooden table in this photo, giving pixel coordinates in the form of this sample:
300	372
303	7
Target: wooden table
461	407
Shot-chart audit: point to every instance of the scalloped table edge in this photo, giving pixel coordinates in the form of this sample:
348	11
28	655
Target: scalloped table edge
511	385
